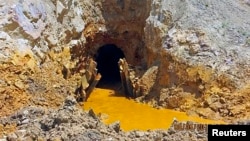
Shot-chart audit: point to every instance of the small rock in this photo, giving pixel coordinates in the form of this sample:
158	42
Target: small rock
22	77
20	133
19	85
92	114
204	112
103	116
222	100
224	112
235	110
92	135
40	138
4	36
92	124
109	139
171	130
216	106
28	138
192	38
193	49
115	126
70	101
25	112
208	101
12	137
85	125
181	39
57	139
139	134
52	40
199	136
25	121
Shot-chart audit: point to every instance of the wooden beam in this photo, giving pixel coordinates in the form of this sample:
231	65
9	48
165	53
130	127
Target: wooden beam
125	78
92	86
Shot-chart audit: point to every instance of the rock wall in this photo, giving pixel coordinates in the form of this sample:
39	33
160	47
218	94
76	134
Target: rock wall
187	36
197	46
42	26
123	25
200	48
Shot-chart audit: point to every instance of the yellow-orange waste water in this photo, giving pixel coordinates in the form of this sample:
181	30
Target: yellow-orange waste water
133	115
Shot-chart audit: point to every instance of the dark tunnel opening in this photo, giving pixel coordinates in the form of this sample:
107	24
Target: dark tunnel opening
107	65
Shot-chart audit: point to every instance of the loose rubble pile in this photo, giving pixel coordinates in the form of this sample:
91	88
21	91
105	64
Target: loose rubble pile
69	122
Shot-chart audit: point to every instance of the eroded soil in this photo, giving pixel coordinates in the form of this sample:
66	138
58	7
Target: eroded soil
43	98
39	104
24	85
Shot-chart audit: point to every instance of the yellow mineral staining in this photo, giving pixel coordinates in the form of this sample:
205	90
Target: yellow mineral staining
132	115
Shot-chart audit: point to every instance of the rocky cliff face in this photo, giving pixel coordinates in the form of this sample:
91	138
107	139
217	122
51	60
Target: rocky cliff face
40	26
196	52
199	44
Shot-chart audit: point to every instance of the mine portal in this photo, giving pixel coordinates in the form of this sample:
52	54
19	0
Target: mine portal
107	59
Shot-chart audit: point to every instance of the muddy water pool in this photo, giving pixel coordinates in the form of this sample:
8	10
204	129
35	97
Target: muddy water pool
132	115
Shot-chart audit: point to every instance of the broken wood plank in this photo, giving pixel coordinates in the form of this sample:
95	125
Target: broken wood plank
88	81
84	82
125	78
93	85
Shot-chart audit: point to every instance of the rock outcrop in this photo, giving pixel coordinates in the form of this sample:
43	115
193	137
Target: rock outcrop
191	56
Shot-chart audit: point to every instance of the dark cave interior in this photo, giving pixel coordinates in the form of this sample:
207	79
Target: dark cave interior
107	58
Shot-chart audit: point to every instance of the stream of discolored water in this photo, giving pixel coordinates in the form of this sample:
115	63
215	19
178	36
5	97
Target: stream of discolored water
133	115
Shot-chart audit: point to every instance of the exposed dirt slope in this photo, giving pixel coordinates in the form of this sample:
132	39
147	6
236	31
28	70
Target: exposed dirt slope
198	53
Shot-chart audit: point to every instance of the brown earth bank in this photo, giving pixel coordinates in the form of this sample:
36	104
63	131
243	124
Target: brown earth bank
194	59
40	104
34	109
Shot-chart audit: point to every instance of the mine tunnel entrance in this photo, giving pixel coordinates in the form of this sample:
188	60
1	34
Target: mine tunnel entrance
107	58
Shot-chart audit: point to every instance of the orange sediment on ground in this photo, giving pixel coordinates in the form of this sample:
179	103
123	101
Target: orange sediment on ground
6	129
133	115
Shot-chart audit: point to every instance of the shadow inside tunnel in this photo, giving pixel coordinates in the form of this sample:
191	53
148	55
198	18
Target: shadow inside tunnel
107	58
